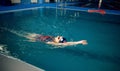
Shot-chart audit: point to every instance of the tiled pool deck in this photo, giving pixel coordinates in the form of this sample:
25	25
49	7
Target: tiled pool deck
4	9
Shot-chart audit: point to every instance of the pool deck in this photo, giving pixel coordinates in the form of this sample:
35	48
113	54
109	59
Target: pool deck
4	9
8	63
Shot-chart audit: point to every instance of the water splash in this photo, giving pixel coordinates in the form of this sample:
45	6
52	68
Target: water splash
1	47
3	50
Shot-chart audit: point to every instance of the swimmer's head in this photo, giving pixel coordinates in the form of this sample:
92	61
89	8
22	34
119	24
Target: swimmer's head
58	39
61	39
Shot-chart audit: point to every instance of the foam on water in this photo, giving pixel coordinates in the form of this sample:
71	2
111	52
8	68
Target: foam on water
3	49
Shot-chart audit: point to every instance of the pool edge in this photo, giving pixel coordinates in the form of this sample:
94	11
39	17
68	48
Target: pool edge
114	12
9	63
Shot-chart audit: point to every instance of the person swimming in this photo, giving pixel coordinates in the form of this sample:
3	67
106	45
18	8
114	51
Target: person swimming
59	40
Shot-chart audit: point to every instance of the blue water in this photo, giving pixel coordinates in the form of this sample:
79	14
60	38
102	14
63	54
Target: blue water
101	31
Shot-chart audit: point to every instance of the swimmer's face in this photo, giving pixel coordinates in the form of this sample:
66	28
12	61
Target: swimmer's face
58	38
61	38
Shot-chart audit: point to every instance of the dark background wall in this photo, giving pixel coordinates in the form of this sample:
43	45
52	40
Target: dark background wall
9	3
5	2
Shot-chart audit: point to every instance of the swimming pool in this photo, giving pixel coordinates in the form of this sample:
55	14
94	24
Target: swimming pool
101	31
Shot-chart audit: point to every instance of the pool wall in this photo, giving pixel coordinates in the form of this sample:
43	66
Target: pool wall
4	9
14	5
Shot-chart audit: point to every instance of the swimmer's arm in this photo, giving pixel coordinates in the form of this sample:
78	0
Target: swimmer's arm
83	42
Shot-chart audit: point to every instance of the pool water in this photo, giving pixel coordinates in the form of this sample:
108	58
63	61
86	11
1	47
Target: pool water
101	31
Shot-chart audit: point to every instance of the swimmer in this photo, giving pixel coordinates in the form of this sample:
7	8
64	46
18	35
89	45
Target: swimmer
59	40
33	37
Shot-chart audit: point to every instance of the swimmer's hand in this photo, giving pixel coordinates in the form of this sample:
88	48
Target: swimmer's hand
83	42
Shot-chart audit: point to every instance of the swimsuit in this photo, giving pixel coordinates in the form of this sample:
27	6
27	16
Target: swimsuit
44	38
48	39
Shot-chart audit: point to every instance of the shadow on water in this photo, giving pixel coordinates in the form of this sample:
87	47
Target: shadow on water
91	55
